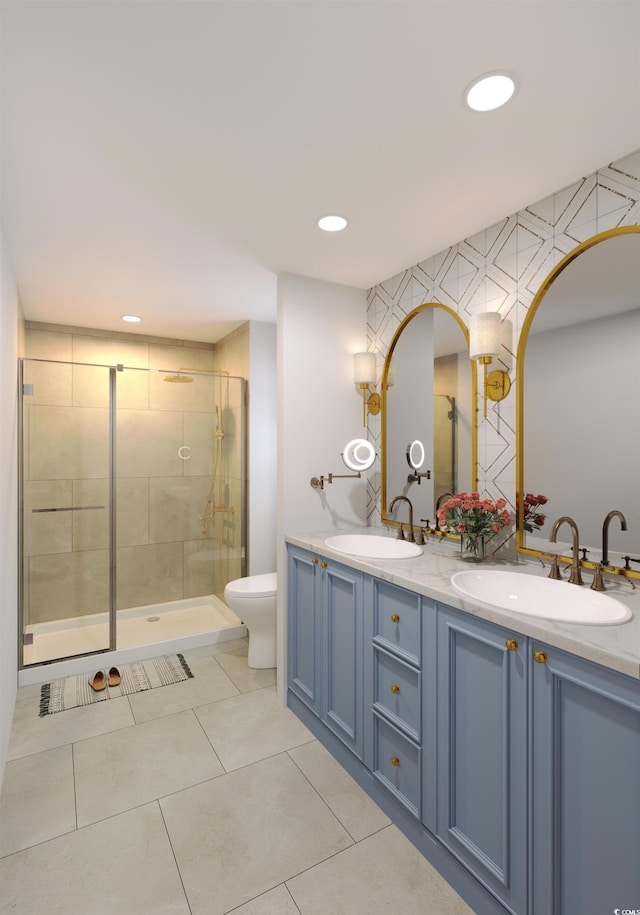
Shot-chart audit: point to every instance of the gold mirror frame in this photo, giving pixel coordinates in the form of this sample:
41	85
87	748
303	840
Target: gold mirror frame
520	356
474	409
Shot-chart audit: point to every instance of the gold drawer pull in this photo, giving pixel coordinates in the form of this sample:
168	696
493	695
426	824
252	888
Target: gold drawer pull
395	760
314	562
540	657
395	618
323	565
512	644
395	689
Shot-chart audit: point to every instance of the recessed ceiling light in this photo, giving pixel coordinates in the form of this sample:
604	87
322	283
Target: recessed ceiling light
490	91
332	223
132	319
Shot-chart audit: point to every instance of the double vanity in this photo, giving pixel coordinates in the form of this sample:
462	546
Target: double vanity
500	734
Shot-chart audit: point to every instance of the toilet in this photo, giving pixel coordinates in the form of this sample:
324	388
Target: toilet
253	599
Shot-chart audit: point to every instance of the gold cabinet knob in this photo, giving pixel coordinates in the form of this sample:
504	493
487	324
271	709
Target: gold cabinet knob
323	565
314	562
395	760
512	644
395	689
540	657
395	618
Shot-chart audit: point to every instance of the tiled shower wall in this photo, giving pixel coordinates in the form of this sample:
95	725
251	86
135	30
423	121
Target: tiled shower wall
163	554
501	269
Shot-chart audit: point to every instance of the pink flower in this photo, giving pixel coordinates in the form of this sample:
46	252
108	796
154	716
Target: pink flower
496	527
467	504
500	503
461	528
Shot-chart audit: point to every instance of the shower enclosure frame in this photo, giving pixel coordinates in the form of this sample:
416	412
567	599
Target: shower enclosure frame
112	645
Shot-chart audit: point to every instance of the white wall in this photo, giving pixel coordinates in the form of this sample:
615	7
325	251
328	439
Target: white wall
320	326
9	312
263	425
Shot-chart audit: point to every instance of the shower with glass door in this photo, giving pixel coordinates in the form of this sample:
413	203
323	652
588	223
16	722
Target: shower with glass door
132	506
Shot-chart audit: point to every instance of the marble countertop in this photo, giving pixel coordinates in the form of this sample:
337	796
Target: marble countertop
616	647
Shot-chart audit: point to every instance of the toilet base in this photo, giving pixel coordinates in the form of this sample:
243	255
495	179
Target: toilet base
262	653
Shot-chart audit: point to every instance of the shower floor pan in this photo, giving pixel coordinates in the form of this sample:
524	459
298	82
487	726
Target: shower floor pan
141	632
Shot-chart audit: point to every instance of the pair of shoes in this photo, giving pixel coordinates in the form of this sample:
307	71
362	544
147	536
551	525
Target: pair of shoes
98	682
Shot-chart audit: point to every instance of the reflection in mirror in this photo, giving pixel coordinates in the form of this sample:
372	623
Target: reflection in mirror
428	391
580	432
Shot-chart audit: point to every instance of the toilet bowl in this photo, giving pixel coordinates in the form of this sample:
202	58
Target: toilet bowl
253	599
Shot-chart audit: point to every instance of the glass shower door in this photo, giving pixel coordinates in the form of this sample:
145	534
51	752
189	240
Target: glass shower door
67	579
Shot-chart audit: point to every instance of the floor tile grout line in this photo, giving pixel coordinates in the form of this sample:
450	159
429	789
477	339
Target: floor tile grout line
209	741
173	852
291	897
324	801
75	787
241	905
336	854
20	851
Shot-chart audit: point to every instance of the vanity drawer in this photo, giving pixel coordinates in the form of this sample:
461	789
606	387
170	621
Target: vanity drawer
396	691
396	764
397	619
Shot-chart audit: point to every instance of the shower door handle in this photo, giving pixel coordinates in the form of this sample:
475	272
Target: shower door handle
67	508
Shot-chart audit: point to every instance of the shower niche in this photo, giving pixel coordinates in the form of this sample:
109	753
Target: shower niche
132	506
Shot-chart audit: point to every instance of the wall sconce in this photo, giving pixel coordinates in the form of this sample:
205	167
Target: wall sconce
415	460
364	376
484	344
358	455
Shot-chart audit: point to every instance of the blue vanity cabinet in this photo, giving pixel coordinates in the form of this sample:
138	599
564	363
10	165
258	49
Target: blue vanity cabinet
585	786
342	702
513	766
394	620
305	633
482	752
326	643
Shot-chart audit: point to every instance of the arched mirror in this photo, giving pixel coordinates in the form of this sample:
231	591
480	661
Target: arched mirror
578	370
428	397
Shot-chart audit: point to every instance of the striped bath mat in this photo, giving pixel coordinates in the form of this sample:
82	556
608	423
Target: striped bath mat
72	692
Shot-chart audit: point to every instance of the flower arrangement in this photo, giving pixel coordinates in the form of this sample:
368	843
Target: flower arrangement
532	518
472	517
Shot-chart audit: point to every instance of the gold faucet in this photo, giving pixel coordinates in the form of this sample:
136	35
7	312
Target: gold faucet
575	578
411	538
605	533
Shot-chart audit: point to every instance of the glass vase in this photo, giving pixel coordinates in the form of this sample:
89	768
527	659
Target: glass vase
472	549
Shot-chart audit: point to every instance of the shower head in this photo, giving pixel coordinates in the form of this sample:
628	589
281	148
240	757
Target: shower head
177	378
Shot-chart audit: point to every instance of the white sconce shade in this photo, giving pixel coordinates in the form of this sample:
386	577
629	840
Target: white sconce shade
364	368
484	335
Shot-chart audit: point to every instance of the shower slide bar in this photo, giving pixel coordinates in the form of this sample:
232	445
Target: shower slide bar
67	508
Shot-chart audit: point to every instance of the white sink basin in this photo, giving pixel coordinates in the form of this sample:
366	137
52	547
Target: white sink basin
542	597
370	546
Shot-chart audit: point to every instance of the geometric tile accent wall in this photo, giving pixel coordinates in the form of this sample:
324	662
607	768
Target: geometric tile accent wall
501	269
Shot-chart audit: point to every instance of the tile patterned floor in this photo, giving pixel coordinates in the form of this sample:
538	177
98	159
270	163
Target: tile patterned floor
201	798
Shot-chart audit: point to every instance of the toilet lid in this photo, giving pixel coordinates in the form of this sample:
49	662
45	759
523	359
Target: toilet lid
254	586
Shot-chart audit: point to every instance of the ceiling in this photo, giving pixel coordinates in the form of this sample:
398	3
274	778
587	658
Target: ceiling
171	158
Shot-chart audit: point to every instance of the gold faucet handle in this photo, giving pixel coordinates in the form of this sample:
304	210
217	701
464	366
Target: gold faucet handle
598	579
554	571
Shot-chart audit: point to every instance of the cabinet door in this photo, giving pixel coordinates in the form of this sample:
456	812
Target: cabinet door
481	748
585	787
304	633
342	652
